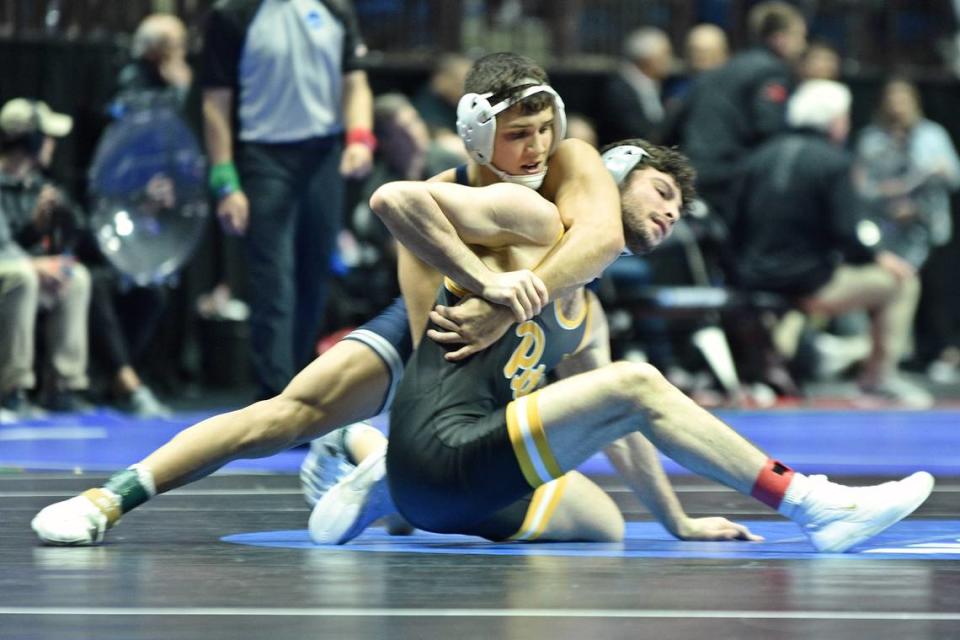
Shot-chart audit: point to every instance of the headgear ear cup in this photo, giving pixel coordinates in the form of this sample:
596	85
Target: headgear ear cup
621	160
477	126
477	120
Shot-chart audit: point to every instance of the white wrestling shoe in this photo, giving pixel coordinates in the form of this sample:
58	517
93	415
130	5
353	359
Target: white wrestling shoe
325	465
353	504
74	522
836	517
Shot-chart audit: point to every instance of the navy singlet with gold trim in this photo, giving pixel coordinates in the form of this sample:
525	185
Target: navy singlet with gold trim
464	448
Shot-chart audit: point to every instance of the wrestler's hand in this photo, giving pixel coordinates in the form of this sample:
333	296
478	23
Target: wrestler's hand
356	161
714	529
234	213
474	323
523	292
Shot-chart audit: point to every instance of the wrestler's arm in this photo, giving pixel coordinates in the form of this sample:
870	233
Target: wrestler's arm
438	220
589	204
441	223
588	201
637	460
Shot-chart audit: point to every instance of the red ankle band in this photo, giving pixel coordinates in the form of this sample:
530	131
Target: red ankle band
772	483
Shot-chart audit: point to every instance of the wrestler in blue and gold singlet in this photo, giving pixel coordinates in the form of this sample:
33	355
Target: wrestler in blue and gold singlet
466	449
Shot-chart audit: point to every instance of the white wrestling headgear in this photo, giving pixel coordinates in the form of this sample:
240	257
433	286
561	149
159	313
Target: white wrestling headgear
477	126
620	161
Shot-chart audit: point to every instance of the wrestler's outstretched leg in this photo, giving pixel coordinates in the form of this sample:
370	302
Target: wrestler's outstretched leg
347	383
555	429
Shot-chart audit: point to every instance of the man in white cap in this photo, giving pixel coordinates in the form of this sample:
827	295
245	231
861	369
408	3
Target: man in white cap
35	271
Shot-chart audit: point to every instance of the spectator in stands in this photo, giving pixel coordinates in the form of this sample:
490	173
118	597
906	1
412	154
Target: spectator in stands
735	107
159	58
704	48
819	62
124	316
632	101
906	168
436	102
798	232
37	271
405	151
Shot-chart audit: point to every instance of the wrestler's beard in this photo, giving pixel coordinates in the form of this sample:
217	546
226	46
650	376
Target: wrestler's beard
638	235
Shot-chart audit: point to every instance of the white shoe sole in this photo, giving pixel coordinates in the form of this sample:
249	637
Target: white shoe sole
353	504
921	484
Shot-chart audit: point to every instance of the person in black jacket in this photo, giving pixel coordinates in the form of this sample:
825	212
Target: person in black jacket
735	107
799	232
632	99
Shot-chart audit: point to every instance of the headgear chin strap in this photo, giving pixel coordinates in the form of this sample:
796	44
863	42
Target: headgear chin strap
477	126
620	161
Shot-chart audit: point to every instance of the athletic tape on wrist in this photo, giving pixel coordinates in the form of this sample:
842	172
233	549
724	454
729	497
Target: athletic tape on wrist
224	179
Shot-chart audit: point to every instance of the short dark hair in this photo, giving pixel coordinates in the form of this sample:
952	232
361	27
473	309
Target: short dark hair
770	18
504	74
668	160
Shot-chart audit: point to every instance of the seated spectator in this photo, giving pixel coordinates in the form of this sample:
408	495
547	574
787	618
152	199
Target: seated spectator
436	102
705	47
906	168
819	62
632	99
37	271
404	152
798	232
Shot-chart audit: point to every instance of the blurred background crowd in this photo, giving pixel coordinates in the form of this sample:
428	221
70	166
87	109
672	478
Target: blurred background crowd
820	262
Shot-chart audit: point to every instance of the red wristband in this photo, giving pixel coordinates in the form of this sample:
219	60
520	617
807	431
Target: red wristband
363	136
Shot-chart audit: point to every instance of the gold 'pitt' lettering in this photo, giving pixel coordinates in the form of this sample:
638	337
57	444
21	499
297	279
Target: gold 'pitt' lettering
523	368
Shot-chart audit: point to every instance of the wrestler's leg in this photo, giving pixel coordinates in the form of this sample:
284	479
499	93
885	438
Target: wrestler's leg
347	383
582	414
555	429
571	508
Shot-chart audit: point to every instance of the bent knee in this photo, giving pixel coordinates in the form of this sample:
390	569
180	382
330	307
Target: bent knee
612	529
20	276
628	379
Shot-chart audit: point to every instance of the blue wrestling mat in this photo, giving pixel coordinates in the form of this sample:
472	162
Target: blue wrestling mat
834	442
913	539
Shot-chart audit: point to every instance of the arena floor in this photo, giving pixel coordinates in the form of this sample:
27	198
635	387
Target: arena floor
229	557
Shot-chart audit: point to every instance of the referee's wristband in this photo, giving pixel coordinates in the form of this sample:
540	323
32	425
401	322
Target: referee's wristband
363	136
224	179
